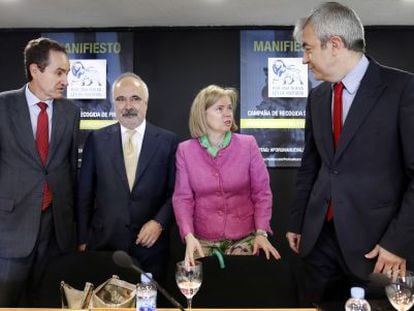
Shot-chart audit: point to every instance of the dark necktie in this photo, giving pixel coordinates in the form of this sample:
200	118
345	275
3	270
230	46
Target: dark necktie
337	128
42	143
337	111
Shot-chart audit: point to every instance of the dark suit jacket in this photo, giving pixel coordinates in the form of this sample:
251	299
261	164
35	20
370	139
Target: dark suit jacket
107	211
22	174
370	176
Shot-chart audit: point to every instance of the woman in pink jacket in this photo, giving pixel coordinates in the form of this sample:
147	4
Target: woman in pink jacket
222	198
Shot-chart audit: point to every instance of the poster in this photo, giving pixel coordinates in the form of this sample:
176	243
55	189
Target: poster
273	92
96	60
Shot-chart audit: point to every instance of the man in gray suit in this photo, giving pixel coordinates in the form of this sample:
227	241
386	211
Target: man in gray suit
354	209
38	152
127	180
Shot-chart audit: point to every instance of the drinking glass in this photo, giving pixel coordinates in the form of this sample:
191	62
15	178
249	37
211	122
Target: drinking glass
400	292
189	279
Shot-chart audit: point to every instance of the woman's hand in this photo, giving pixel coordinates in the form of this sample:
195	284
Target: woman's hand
261	242
193	245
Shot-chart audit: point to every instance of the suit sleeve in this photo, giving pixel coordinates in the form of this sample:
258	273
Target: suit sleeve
306	175
183	198
260	189
164	215
399	236
86	190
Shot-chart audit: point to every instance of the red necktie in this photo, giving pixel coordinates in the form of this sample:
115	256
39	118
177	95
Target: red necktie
42	143
337	128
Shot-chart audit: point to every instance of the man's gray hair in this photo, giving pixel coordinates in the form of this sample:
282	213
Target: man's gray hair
130	75
334	19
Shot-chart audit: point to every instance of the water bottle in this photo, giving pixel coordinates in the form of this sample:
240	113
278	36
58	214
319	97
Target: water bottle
357	301
146	294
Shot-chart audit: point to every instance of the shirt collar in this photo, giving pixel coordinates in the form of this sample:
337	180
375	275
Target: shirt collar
214	150
32	99
353	78
140	129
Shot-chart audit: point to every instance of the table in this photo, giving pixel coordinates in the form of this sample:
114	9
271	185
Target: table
158	309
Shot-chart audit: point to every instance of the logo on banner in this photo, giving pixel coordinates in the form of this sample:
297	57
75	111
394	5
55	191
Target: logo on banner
87	79
288	77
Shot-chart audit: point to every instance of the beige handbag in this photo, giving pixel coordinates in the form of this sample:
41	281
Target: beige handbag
73	298
113	293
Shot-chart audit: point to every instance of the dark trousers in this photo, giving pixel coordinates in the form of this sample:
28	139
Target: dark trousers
153	259
326	276
20	276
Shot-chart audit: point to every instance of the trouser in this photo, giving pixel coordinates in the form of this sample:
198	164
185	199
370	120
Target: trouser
20	276
243	246
326	276
153	259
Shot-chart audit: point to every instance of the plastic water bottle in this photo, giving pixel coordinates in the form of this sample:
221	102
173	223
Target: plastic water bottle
146	294
357	302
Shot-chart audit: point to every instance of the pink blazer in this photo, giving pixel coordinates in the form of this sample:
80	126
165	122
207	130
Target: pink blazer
226	197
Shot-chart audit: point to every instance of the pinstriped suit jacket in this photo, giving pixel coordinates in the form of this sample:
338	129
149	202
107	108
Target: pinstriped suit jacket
22	174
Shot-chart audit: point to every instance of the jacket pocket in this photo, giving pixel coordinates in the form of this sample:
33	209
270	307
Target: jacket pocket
6	205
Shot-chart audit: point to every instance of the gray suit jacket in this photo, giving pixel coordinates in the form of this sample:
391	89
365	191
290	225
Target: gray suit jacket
369	177
22	174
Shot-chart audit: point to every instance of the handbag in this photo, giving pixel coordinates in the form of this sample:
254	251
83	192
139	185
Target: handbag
73	298
113	293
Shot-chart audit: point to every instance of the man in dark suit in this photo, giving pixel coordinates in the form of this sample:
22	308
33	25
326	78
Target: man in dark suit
126	182
354	209
38	152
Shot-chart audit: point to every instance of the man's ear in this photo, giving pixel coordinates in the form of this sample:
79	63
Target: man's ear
336	42
34	69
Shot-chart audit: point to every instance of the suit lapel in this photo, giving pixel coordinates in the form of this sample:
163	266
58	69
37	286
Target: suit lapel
23	126
59	124
367	95
149	146
322	106
114	142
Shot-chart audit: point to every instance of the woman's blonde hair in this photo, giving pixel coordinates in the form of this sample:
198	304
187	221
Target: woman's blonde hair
206	98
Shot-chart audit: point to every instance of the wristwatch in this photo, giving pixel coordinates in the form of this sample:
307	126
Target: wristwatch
261	232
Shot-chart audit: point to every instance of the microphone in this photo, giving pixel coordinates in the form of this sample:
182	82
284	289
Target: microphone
123	260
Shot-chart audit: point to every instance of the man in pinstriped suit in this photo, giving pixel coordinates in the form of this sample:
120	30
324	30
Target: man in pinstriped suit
31	232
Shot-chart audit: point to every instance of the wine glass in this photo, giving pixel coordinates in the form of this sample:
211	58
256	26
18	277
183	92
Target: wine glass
189	279
400	292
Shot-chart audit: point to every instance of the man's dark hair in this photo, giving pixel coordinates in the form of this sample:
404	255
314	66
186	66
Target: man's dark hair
37	52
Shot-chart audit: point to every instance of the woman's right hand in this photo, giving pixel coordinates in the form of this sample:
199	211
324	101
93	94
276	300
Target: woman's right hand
192	246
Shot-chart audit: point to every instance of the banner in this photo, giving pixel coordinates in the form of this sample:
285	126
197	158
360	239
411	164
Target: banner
273	92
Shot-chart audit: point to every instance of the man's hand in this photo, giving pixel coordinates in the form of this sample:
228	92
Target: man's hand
294	241
149	233
82	247
387	262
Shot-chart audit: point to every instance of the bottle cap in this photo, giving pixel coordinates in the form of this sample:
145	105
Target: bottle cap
357	292
145	279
